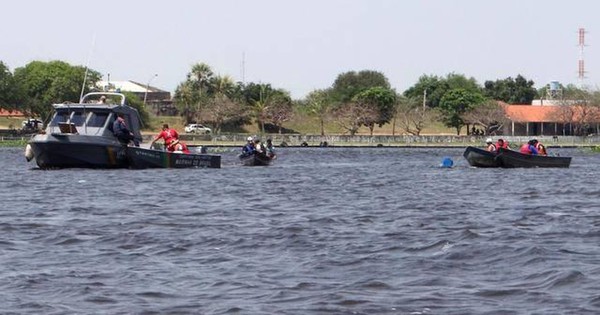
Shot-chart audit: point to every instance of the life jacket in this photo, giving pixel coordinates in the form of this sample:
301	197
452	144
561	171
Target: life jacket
525	149
504	145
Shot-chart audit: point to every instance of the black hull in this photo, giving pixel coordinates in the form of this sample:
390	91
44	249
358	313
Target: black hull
140	158
481	158
513	159
77	152
257	159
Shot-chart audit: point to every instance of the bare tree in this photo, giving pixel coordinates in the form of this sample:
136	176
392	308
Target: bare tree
489	115
351	116
411	117
580	111
221	109
279	111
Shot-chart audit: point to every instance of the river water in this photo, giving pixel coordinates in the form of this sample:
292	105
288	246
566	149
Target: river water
322	231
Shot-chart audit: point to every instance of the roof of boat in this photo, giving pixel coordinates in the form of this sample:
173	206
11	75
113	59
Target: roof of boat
91	101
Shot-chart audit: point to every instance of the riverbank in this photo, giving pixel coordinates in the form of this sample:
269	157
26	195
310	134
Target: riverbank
295	140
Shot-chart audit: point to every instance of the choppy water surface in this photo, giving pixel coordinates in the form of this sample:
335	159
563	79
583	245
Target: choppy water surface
322	231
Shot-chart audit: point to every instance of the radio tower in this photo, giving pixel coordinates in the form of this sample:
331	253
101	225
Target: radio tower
581	67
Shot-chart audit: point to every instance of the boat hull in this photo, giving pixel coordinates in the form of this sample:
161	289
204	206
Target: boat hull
76	151
257	159
140	158
513	159
481	158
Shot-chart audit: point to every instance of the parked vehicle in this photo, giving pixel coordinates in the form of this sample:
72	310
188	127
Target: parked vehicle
197	128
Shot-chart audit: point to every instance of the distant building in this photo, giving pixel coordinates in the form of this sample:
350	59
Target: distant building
158	102
568	119
11	113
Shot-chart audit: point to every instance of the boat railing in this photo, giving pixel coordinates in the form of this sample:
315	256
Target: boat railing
96	98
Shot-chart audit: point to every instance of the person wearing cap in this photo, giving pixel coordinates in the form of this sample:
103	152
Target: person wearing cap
167	134
490	145
540	147
529	148
249	147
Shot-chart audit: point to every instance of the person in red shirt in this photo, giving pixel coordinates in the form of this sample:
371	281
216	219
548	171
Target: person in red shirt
167	134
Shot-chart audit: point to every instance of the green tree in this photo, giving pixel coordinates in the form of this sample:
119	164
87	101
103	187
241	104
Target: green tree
382	100
8	89
137	103
45	83
318	105
433	88
512	91
455	103
192	95
349	84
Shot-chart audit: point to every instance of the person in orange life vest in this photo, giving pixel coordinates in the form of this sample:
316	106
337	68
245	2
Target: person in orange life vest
490	145
166	134
540	147
529	148
501	143
177	146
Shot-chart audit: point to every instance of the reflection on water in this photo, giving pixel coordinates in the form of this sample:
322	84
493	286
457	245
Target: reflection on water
323	230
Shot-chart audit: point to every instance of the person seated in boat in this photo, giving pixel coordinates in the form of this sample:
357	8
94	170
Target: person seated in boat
249	147
167	134
491	147
260	148
123	134
540	147
529	148
269	148
501	143
102	100
177	146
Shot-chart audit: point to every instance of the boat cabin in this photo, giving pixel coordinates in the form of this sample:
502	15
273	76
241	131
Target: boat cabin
93	118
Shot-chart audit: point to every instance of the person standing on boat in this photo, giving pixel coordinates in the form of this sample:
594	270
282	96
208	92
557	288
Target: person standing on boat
167	134
540	147
529	148
490	145
121	131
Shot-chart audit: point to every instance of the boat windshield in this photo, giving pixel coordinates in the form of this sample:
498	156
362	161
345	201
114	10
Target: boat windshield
78	118
97	119
59	117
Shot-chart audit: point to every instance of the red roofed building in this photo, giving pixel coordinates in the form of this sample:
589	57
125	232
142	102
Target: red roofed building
550	120
11	113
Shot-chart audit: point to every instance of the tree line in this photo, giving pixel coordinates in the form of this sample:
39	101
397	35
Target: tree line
355	99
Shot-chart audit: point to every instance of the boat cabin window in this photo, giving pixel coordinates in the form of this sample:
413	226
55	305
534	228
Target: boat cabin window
59	117
97	119
78	118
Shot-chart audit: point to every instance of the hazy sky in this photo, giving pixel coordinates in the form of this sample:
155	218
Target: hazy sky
303	45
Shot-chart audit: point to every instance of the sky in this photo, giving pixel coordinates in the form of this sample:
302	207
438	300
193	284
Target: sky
300	46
